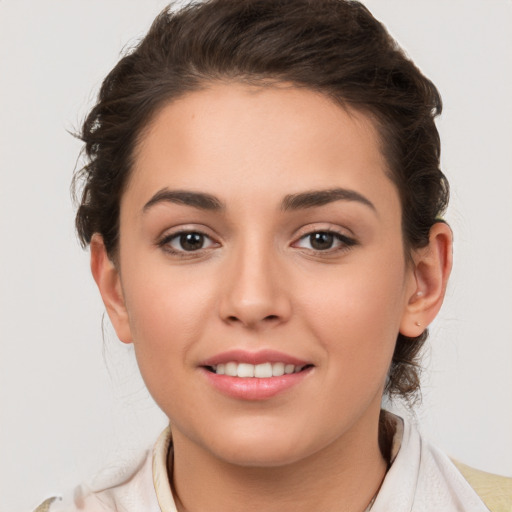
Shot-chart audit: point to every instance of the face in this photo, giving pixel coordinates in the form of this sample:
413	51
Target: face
260	235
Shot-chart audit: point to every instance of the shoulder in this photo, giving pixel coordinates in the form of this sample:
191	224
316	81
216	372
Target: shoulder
128	487
494	490
422	478
45	506
139	483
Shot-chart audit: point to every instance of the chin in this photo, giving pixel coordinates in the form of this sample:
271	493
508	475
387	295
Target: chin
261	456
261	447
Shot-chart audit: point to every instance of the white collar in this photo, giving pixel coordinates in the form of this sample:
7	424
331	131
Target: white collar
421	479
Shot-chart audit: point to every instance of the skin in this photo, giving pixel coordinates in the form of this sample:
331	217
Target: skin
258	283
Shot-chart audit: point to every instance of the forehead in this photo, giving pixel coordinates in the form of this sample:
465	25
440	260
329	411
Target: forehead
280	139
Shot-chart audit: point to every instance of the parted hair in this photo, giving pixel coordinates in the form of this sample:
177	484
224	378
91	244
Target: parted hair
335	47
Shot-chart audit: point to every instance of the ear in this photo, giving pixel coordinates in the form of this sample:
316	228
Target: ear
108	280
431	268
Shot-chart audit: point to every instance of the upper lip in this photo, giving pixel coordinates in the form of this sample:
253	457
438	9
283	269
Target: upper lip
257	357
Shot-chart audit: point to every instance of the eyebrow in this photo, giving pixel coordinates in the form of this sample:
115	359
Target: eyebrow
302	200
199	200
314	198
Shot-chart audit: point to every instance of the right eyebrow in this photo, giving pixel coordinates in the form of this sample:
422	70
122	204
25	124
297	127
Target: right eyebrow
199	200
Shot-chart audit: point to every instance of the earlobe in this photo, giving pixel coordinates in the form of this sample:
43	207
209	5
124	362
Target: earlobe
108	281
432	267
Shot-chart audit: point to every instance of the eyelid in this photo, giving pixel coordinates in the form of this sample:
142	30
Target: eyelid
323	227
181	228
163	241
346	241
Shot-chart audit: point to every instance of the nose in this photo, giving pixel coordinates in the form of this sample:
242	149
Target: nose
254	292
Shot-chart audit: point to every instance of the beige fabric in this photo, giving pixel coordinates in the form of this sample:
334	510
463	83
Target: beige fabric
423	479
45	506
495	490
160	474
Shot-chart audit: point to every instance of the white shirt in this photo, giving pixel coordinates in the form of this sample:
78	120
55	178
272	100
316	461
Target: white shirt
421	479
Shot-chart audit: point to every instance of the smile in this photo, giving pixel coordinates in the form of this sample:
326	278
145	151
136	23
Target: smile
258	371
259	375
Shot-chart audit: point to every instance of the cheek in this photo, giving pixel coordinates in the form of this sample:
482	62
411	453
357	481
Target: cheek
356	316
167	311
358	297
167	316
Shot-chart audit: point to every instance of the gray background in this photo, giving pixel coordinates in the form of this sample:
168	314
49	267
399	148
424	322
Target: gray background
72	402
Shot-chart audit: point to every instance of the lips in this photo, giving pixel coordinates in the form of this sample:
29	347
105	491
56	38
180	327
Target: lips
255	358
254	375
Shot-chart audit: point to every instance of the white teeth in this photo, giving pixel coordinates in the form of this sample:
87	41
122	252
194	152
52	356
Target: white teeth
245	370
278	369
289	368
260	371
263	370
231	369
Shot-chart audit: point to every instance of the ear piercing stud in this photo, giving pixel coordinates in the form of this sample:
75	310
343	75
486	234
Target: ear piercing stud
417	323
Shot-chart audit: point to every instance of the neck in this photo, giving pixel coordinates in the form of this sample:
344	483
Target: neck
344	476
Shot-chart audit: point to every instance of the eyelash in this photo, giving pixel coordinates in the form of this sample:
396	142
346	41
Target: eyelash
344	243
165	243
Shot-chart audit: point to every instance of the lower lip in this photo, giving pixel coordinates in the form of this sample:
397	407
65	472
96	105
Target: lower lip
253	388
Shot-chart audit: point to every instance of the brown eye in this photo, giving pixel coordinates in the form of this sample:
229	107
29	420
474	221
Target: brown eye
191	241
326	241
186	241
321	241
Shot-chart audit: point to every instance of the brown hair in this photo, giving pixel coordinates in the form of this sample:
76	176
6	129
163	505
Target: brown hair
335	47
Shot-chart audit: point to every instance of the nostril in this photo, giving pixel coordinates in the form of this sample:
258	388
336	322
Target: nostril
236	319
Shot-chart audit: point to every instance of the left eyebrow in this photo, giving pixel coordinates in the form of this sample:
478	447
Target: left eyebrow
313	198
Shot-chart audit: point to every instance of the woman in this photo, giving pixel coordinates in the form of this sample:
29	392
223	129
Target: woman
263	204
